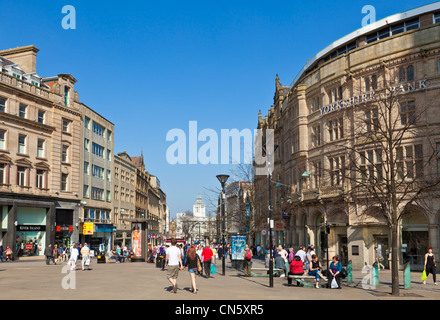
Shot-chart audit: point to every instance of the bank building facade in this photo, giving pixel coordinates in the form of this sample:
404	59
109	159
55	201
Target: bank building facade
317	124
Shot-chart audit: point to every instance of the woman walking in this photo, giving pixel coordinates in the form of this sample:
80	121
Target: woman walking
192	262
430	266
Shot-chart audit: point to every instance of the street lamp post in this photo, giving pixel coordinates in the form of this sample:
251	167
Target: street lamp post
223	178
269	153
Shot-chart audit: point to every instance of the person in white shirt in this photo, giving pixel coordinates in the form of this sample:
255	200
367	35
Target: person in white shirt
302	254
173	263
73	257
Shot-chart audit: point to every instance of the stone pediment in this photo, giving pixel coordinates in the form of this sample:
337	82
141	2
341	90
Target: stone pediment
42	165
23	162
5	159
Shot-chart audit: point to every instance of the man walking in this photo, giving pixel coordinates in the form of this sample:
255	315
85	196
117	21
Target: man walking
247	261
48	253
173	262
85	253
206	258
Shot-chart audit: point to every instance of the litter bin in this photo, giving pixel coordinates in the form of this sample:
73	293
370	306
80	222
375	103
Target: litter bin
101	257
159	261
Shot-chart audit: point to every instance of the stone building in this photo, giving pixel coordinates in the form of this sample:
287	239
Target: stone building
124	187
40	149
318	114
96	175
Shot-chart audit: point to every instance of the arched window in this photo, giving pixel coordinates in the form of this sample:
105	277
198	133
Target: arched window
402	75
410	73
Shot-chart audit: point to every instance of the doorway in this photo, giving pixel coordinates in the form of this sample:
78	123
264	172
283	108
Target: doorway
383	250
343	250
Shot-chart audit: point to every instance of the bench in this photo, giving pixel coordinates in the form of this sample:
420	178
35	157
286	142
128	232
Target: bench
275	271
300	280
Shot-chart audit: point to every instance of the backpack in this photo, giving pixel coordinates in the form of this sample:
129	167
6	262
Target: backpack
248	255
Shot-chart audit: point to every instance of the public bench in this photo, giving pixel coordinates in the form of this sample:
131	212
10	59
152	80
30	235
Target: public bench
275	271
301	281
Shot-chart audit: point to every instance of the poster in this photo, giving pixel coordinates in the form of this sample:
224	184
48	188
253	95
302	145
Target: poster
136	239
237	247
88	228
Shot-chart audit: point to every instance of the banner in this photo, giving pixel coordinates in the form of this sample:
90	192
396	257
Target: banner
237	247
136	239
88	228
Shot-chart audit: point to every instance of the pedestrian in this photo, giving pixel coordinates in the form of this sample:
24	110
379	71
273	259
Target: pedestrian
247	255
74	253
214	253
315	270
291	255
173	262
1	253
310	252
283	253
192	262
55	254
430	266
85	254
207	260
296	269
335	272
48	252
303	255
8	253
280	264
379	258
258	250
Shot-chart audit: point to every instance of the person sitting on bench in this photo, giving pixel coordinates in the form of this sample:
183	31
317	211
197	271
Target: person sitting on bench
315	269
296	269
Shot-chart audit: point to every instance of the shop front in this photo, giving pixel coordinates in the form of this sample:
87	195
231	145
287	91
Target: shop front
30	231
64	227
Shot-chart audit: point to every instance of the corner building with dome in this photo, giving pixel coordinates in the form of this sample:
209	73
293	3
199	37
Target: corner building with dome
316	117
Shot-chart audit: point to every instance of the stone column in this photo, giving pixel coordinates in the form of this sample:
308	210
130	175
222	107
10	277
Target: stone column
12	229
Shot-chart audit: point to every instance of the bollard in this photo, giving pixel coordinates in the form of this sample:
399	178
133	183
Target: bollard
407	275
349	272
376	274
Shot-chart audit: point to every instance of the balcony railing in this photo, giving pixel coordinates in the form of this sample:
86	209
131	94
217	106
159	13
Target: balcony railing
23	85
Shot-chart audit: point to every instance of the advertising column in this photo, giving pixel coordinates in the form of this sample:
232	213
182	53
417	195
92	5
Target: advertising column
136	241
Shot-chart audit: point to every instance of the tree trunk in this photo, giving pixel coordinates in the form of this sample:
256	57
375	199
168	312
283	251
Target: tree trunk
394	262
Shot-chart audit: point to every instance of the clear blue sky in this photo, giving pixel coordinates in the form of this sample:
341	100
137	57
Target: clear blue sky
151	66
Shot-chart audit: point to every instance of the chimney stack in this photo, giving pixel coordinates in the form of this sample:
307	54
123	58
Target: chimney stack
25	57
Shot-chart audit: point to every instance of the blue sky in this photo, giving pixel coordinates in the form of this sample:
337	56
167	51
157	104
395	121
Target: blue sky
151	66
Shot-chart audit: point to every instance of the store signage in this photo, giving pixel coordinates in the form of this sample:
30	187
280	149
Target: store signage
29	246
372	96
31	228
64	228
88	228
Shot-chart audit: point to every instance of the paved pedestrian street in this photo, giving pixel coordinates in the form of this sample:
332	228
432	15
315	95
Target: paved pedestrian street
34	280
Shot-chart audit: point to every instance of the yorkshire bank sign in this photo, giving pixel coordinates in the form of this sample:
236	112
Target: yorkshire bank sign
372	96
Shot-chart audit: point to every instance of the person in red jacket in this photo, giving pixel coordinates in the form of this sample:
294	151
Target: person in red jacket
206	258
296	269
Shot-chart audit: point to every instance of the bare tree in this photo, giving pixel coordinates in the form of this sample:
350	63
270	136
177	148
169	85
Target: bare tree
384	168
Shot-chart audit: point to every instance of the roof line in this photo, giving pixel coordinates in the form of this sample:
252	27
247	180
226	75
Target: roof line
367	29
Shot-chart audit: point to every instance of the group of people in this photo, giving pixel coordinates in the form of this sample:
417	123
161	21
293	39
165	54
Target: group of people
72	255
198	259
302	262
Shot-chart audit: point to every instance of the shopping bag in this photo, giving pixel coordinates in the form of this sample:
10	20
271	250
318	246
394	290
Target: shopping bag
334	284
212	268
424	277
